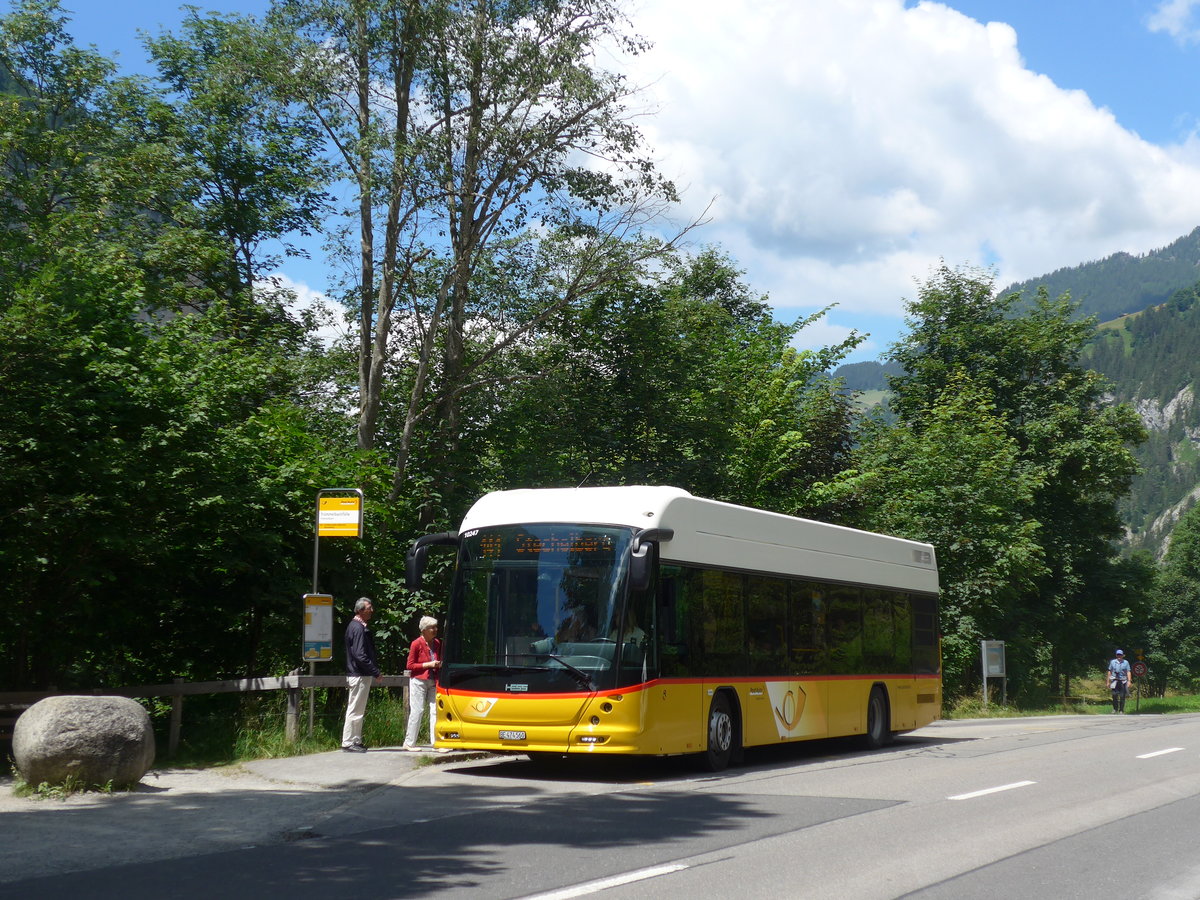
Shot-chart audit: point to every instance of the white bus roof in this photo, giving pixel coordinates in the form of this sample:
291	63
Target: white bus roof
723	535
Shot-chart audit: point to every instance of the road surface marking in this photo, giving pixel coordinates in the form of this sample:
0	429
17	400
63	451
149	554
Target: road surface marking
592	887
1160	752
1003	787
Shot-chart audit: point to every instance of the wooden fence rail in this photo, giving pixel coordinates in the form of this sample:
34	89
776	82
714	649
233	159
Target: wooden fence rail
12	704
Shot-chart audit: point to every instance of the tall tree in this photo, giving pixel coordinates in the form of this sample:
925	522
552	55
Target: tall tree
257	163
1074	443
465	126
156	456
353	64
676	375
958	481
1173	645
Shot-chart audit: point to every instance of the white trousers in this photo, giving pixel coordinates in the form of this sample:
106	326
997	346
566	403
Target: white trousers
422	693
356	707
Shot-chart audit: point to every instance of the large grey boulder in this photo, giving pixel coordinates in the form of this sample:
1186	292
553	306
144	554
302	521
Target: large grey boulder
89	740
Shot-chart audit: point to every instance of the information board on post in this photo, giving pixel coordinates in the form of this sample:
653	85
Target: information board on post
994	667
340	516
318	628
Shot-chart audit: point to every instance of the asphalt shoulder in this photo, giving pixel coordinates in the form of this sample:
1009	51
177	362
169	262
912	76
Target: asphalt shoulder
175	812
339	769
331	771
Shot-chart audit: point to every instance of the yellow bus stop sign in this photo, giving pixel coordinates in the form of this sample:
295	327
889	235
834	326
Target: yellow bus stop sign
339	517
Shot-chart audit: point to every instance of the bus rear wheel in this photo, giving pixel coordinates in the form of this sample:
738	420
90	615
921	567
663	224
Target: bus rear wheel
879	731
720	734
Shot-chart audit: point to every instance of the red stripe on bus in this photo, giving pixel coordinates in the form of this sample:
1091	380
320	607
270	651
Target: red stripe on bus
659	682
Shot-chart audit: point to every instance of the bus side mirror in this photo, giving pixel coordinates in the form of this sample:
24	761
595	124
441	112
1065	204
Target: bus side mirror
641	562
414	568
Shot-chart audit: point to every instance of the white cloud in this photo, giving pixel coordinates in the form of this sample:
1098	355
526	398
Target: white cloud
851	144
1175	17
822	333
334	327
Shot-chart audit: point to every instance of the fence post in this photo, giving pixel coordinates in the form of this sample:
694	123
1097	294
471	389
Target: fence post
292	722
404	699
177	720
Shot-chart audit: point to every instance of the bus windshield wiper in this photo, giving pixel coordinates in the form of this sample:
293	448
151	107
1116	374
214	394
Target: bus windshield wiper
481	669
584	678
498	668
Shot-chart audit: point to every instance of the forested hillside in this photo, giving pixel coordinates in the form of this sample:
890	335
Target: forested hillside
1122	283
867	376
1153	358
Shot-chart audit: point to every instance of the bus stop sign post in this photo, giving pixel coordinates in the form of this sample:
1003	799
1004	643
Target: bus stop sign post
339	513
992	653
1138	670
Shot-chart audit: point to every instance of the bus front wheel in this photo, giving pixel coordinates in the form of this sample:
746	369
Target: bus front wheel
720	734
879	731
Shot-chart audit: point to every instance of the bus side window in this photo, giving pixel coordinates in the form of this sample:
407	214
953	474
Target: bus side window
924	635
766	621
668	596
806	629
844	627
718	599
672	657
879	632
904	638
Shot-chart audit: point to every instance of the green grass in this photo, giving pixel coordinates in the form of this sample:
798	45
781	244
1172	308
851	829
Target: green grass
973	708
47	791
1189	703
1089	697
229	728
868	399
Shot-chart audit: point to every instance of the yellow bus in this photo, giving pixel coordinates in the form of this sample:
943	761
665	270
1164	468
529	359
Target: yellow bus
644	620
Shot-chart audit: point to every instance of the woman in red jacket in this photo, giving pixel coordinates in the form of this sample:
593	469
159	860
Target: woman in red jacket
424	660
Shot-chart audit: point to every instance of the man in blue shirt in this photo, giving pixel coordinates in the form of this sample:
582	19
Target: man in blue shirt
361	671
1118	681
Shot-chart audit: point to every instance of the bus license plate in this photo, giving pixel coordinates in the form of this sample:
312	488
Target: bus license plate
512	735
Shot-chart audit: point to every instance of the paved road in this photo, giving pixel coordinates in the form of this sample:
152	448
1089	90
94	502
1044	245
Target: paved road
1066	806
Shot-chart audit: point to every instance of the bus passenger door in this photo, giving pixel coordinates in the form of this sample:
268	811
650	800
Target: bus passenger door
674	702
674	717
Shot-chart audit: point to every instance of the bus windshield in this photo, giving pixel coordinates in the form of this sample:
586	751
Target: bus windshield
544	602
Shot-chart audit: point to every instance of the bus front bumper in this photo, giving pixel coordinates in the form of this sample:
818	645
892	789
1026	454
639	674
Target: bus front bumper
600	724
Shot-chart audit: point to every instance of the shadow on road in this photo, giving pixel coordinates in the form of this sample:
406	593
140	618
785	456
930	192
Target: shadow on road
409	841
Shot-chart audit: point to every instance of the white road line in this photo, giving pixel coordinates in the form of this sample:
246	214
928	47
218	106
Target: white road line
995	790
1160	752
592	887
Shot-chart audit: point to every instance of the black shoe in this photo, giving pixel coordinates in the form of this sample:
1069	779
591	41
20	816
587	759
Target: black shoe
355	748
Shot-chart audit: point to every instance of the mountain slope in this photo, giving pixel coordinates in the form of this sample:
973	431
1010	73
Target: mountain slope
1153	360
1152	357
1122	283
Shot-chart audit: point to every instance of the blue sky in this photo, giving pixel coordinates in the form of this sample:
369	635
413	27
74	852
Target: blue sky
846	146
1107	48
